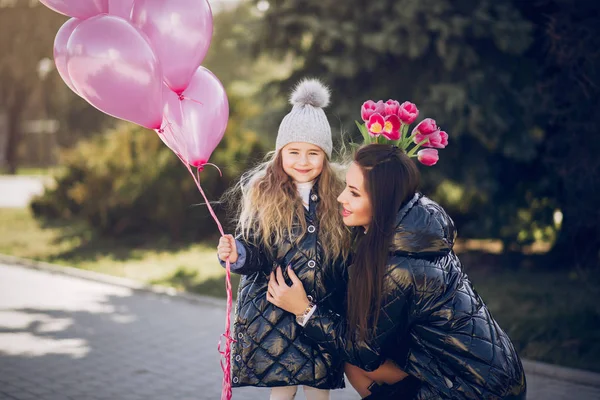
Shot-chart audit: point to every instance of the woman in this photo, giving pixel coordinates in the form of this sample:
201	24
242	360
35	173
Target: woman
408	299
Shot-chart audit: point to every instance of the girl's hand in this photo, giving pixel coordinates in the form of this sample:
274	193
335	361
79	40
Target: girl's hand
289	298
227	248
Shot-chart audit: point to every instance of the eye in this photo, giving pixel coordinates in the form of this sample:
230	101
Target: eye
293	152
313	154
354	194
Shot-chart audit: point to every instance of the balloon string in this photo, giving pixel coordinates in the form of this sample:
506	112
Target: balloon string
188	98
174	138
226	391
218	169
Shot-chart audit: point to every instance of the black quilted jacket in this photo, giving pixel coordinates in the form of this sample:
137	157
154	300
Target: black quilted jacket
433	324
270	349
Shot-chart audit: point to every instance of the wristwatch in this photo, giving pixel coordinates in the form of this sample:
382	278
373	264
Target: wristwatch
301	319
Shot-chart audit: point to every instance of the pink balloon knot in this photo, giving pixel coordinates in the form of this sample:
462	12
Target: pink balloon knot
181	97
161	131
199	164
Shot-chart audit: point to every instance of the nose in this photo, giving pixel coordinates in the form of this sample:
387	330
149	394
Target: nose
340	198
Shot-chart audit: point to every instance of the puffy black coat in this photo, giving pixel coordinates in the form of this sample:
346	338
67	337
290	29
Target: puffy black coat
270	349
433	324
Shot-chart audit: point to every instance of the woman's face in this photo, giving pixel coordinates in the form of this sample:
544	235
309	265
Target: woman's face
355	201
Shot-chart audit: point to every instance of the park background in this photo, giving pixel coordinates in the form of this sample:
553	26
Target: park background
515	83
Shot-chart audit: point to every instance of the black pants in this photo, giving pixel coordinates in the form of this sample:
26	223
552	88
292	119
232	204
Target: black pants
406	389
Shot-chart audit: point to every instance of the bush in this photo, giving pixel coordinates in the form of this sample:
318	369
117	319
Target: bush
126	182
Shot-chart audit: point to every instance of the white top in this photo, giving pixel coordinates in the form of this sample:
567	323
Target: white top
304	191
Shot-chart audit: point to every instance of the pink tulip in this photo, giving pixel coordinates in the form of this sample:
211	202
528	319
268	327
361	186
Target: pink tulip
391	107
434	139
408	112
428	157
375	124
391	127
419	138
426	127
438	139
380	107
367	109
444	136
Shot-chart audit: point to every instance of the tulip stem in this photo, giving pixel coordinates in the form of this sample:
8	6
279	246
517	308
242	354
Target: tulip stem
403	132
409	139
412	152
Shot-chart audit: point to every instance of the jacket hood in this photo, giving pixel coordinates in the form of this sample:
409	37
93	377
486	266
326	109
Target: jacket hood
423	228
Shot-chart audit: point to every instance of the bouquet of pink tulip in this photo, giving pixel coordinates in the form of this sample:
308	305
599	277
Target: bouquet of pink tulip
389	123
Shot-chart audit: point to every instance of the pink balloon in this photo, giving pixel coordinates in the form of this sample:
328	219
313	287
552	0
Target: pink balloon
81	9
180	33
60	50
195	121
120	8
113	67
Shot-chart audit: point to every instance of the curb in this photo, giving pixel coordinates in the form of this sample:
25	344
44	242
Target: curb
573	375
136	286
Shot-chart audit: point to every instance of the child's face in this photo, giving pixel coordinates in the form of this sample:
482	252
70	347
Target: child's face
303	162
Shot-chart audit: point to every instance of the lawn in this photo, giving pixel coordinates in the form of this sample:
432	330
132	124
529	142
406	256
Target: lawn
33	171
551	316
153	260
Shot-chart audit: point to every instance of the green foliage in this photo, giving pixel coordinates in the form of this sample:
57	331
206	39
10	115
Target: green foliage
474	66
27	32
127	182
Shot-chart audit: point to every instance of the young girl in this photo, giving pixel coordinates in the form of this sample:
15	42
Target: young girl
288	215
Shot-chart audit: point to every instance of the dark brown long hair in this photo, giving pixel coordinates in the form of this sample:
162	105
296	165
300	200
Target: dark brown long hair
391	179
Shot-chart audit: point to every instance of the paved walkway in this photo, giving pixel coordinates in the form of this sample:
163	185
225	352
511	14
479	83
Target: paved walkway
63	337
17	191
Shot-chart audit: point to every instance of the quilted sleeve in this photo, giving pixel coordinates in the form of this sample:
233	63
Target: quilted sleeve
330	329
252	258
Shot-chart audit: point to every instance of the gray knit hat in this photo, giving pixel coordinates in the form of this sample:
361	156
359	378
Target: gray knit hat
307	122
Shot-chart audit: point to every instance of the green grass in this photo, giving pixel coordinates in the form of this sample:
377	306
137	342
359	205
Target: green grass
551	316
145	259
33	171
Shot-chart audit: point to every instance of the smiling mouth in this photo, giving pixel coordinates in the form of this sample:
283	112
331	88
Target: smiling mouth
303	171
345	212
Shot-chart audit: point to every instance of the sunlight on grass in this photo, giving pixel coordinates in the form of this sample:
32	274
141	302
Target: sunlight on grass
22	236
149	265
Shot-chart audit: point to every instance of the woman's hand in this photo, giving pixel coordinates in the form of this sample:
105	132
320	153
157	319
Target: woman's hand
227	248
289	298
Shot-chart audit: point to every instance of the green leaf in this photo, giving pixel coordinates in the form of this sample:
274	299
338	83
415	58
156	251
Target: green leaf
364	132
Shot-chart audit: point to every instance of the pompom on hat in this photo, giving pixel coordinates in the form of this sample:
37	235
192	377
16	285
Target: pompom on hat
307	121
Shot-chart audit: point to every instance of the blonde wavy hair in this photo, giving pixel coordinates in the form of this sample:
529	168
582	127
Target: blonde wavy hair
269	206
